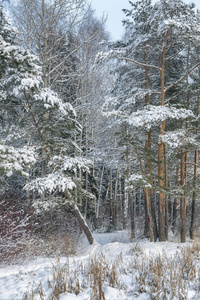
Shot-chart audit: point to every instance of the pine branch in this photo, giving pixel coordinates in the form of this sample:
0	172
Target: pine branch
138	63
182	78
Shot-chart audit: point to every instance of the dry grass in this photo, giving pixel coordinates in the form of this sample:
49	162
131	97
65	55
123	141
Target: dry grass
169	278
94	275
161	277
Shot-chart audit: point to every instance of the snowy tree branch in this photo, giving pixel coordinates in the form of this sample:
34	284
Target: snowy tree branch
138	63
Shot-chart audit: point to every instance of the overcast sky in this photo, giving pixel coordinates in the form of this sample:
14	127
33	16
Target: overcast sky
113	9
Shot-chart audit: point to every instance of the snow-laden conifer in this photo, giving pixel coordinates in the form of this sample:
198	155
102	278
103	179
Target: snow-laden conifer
25	102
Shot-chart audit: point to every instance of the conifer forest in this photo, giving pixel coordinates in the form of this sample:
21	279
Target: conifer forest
98	136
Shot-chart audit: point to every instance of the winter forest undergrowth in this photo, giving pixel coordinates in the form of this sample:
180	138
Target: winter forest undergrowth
99	161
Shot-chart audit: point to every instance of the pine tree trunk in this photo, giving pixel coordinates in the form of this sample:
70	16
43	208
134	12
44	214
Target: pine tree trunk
162	236
80	219
111	209
126	192
115	201
153	210
132	217
175	205
153	214
183	203
196	158
105	206
183	220
166	197
169	206
149	216
125	207
146	220
45	80
193	213
120	198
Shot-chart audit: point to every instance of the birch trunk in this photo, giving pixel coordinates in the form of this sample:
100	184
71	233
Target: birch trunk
99	200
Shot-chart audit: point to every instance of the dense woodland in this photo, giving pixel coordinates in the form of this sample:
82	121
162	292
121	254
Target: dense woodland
96	134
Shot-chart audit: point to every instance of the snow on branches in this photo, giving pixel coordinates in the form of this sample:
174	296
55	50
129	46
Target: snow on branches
151	115
178	138
50	183
61	176
50	99
156	114
70	163
16	159
103	57
137	180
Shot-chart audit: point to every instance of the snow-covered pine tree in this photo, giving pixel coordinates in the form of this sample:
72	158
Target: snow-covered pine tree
64	33
14	155
23	90
169	23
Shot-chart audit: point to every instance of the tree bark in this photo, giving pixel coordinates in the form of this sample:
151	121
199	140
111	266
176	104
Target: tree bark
193	213
115	201
125	207
150	167
166	197
196	158
146	217
152	202
183	202
132	216
162	236
149	215
175	205
82	223
126	192
80	219
99	200
111	193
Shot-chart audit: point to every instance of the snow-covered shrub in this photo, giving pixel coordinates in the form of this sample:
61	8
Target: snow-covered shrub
25	235
15	223
58	229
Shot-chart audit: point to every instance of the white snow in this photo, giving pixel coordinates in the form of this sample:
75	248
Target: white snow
157	114
16	280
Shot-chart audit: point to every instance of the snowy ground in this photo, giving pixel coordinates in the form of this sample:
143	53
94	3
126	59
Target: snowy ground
37	275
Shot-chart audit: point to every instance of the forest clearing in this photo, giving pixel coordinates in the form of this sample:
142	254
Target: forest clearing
99	151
